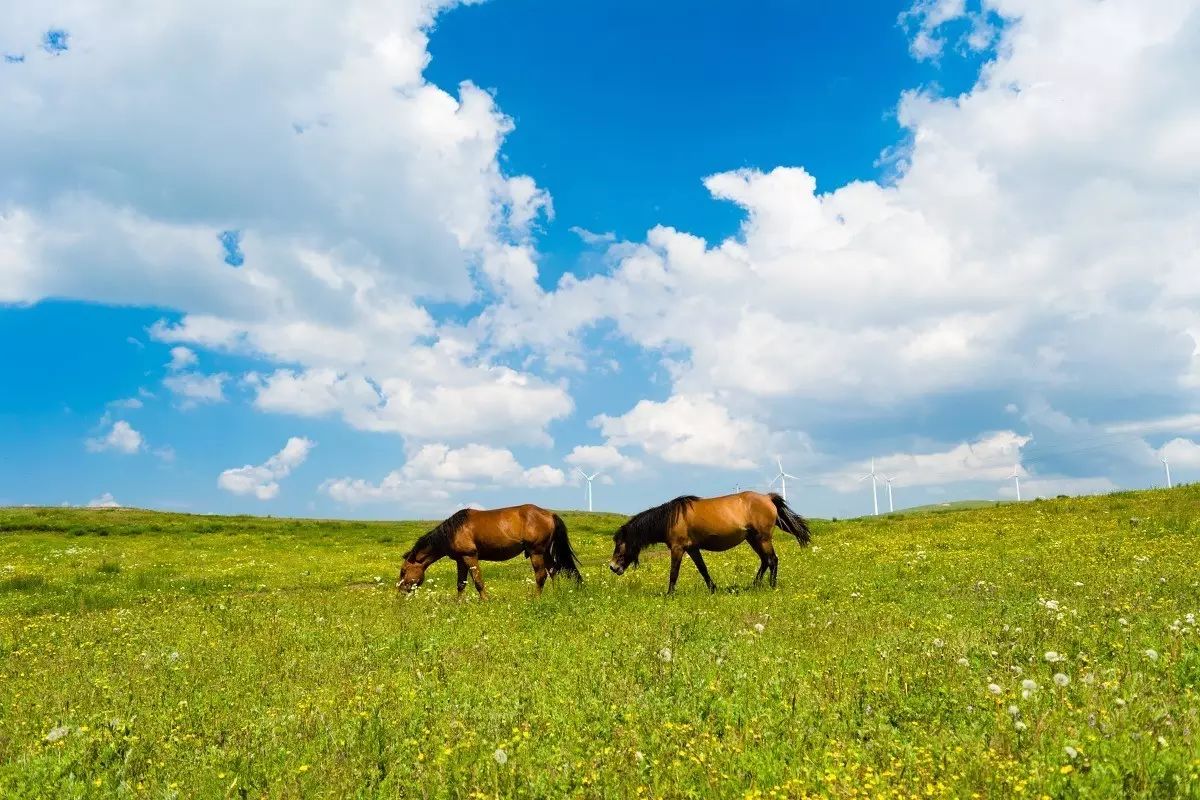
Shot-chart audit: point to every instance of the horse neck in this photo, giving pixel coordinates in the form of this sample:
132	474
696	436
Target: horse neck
647	538
428	555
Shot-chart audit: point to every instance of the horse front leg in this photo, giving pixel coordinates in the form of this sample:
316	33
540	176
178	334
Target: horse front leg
472	563
676	559
462	576
703	568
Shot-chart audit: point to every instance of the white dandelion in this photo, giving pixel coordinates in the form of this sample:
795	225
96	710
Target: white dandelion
1054	657
962	662
500	756
1020	725
1061	679
995	688
1152	654
1071	752
665	654
57	733
758	628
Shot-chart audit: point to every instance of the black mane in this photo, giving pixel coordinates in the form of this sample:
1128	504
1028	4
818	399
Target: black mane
438	539
651	526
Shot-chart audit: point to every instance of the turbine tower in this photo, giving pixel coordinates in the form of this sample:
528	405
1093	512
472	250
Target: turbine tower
888	481
1167	467
874	476
782	478
588	478
1016	476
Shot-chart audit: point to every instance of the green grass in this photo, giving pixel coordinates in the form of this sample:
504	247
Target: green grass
955	505
163	655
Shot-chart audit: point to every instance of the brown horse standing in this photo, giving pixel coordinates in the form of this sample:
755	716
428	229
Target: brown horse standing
691	524
470	536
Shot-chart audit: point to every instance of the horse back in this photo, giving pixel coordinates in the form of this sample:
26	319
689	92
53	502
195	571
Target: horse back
502	533
731	514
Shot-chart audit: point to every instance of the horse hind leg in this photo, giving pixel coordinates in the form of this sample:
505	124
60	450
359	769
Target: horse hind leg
769	548
764	563
538	562
768	561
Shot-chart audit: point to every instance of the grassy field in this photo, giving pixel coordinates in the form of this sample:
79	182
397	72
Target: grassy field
1043	648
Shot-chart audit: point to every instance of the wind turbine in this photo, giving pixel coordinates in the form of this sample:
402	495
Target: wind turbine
1167	467
874	476
782	478
1016	476
588	478
888	481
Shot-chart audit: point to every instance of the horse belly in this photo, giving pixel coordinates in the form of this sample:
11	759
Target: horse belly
500	552
716	542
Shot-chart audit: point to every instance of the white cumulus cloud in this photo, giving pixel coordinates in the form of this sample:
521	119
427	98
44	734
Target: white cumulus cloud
296	198
121	437
688	429
601	458
105	500
1037	237
990	458
262	480
435	472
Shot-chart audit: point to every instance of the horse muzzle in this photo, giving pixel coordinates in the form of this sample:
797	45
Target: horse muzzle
616	570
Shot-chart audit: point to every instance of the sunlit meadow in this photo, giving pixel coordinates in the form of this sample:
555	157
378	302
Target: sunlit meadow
1041	649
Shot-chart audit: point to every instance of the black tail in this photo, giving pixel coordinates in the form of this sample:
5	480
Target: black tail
562	557
789	520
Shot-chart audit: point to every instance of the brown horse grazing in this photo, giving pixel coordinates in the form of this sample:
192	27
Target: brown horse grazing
691	524
470	536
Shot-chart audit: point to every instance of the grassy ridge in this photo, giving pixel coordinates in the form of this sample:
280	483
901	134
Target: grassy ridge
152	655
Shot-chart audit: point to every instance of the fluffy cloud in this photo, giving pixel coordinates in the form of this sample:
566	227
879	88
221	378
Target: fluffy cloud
295	202
688	429
601	458
1185	423
1181	454
436	471
190	386
1038	237
464	403
194	388
121	437
991	458
105	500
181	358
262	481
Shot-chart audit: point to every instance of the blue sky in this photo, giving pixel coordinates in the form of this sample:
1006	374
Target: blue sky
412	257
